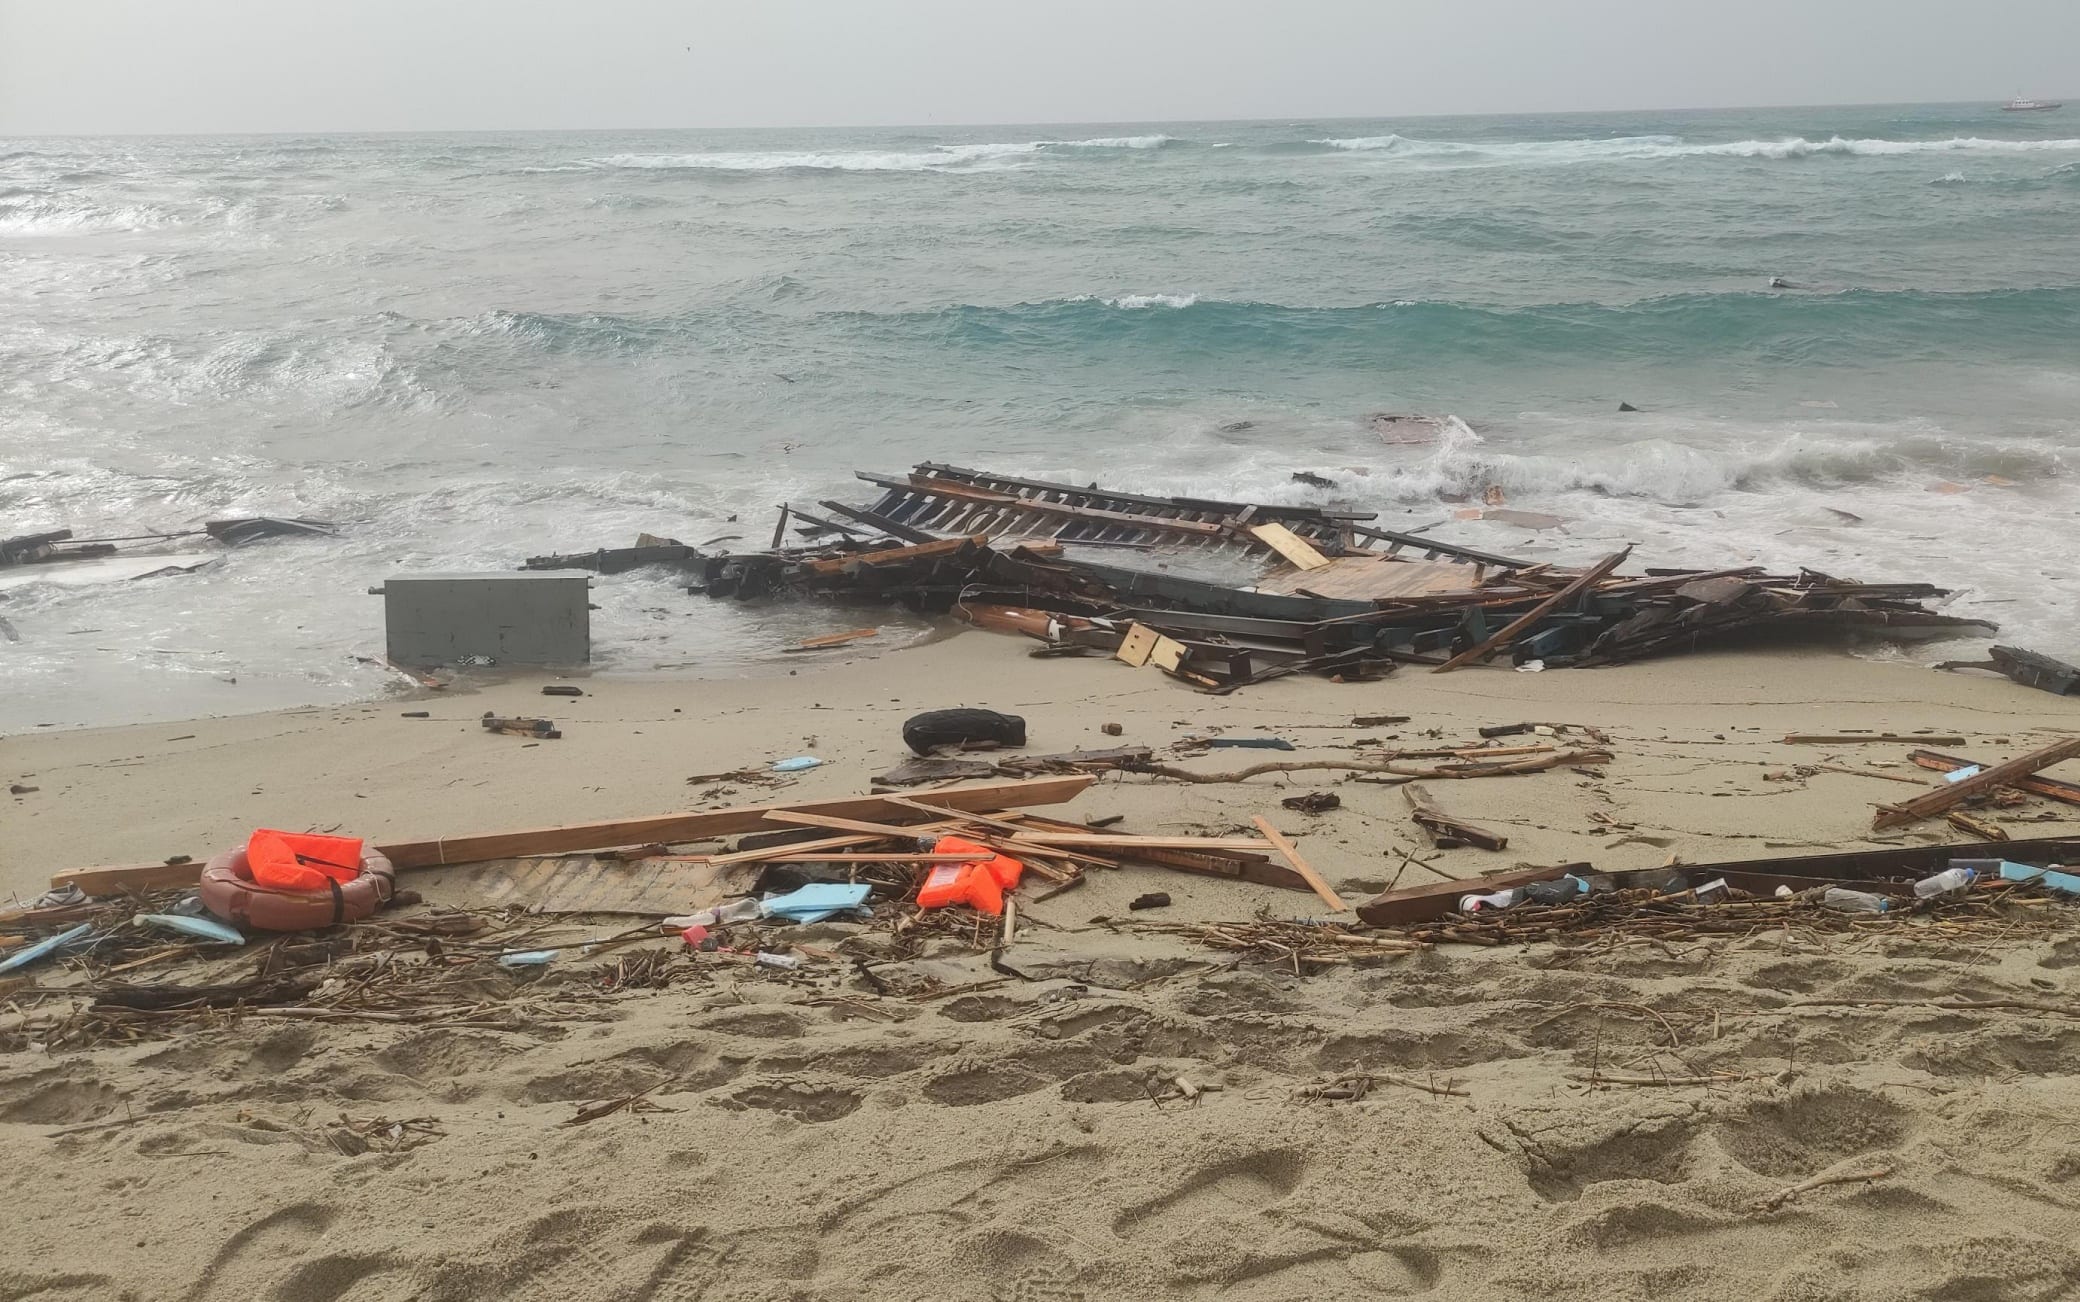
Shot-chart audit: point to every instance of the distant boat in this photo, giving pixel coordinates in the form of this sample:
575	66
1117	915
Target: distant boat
2024	104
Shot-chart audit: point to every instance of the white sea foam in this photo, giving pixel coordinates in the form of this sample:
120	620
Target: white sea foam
1661	147
971	157
1134	301
58	214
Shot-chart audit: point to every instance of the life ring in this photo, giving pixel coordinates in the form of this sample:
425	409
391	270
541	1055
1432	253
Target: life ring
229	891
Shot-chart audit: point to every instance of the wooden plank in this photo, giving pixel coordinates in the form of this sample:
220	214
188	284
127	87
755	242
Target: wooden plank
938	547
1435	899
853	856
1930	803
657	829
1445	830
1869	738
841	824
1523	623
1168	654
1022	505
1101	841
1299	865
2066	793
893	528
1137	646
1289	545
135	877
768	853
1371	577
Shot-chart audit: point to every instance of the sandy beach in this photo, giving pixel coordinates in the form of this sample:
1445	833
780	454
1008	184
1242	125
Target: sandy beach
807	1135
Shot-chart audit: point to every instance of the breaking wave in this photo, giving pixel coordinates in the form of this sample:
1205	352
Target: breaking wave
1665	147
938	158
30	213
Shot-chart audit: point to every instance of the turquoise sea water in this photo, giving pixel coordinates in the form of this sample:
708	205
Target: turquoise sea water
471	348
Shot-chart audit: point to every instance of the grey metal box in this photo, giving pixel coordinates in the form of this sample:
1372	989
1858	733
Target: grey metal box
537	617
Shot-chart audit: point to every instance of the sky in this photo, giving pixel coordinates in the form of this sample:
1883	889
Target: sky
173	66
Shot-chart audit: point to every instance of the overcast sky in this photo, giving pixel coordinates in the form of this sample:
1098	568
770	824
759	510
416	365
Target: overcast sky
91	66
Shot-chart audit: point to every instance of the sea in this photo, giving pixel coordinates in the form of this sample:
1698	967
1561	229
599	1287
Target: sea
1852	336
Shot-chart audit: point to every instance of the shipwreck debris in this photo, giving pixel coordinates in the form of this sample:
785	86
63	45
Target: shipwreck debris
1333	594
2027	668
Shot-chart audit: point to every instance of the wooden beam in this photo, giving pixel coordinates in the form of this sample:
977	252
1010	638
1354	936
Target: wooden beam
664	829
2066	793
854	856
1446	831
893	528
1291	854
1869	738
938	547
794	819
1588	579
1435	899
768	853
138	877
1930	803
1103	841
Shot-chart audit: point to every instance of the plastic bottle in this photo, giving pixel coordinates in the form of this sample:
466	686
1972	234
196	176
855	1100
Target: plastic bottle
745	910
1842	900
1561	890
1949	880
1496	900
784	961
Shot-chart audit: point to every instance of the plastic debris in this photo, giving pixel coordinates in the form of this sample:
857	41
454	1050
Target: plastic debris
797	764
817	901
529	958
202	928
46	947
1843	900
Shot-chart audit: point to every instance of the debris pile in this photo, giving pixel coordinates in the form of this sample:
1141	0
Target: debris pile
1330	593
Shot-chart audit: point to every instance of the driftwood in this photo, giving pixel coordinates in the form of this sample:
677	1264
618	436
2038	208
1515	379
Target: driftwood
1931	803
1790	1193
1559	759
1291	855
1588	579
1447	832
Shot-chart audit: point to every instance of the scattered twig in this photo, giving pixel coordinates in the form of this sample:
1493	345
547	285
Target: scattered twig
1790	1193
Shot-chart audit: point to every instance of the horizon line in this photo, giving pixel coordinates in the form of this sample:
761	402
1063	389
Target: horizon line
978	126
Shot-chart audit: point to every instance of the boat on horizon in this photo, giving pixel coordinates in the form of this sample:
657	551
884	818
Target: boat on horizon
2024	104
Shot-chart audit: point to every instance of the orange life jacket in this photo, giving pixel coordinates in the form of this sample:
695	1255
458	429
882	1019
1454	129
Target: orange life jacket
302	861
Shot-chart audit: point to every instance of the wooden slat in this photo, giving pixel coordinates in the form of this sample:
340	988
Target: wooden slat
1531	617
1289	545
1931	803
839	824
1435	899
1101	841
955	492
2066	793
1869	739
661	828
895	555
136	877
1291	854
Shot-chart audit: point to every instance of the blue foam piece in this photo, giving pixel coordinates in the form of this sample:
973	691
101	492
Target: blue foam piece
817	901
2064	883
